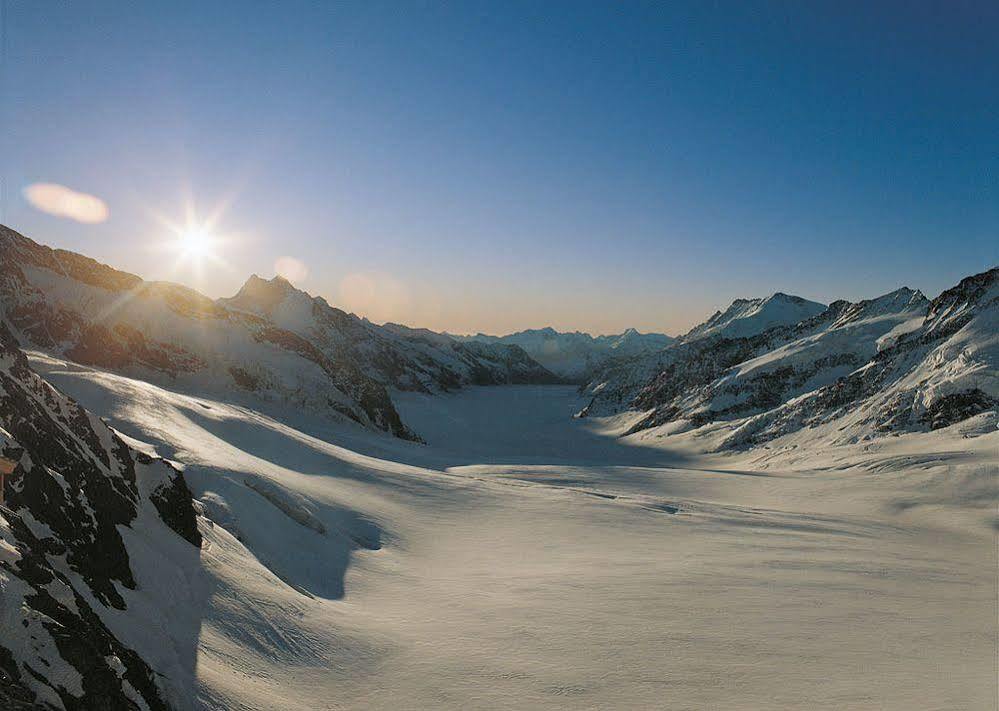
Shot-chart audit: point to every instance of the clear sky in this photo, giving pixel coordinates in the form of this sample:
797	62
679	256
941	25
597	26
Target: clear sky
500	165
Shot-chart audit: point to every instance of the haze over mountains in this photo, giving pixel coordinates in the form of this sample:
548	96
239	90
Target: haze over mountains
266	502
576	355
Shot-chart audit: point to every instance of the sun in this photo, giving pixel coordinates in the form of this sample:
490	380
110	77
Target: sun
194	246
195	242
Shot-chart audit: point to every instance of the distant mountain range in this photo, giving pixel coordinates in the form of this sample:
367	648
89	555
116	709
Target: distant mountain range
576	355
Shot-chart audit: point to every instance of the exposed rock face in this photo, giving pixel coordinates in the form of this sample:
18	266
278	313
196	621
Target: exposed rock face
270	340
956	407
66	571
575	356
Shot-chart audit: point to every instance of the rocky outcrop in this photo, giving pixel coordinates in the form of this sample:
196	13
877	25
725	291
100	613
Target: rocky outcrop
66	571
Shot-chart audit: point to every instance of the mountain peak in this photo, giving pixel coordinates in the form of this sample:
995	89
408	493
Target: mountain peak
261	295
780	296
903	296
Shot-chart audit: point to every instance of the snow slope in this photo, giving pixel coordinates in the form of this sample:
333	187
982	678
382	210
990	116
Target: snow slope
99	558
931	375
729	378
525	559
614	385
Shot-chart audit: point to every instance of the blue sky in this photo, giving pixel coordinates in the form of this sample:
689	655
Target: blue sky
494	166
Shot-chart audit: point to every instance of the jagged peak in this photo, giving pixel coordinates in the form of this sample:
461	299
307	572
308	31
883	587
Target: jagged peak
899	300
261	295
257	281
902	296
968	289
902	293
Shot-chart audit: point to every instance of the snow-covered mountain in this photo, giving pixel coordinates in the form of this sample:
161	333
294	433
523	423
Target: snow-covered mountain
897	362
747	317
98	542
714	378
576	355
394	355
616	383
270	341
927	374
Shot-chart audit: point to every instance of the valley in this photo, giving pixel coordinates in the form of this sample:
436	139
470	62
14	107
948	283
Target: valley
525	558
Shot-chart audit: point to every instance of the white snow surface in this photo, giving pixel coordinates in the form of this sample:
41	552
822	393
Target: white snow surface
525	559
